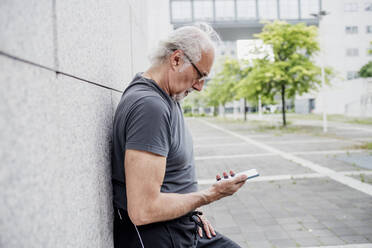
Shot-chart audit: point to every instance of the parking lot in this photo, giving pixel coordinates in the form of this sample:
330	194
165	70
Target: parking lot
314	189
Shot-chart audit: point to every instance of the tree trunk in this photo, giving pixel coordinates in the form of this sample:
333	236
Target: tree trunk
215	111
283	105
245	111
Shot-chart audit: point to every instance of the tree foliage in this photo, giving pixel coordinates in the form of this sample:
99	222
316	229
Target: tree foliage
221	89
289	72
366	70
292	71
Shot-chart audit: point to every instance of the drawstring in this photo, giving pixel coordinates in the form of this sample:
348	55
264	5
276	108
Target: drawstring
194	216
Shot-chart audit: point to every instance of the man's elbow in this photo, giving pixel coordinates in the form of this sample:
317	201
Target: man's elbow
139	216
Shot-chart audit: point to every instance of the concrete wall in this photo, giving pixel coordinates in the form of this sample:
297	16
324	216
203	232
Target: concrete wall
56	127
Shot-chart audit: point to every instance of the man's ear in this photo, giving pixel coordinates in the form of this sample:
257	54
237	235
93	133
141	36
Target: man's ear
175	60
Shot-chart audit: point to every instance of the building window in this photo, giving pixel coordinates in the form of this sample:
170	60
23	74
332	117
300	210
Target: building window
268	9
368	6
352	75
246	9
351	29
203	10
351	7
369	29
288	9
309	7
181	10
225	10
352	52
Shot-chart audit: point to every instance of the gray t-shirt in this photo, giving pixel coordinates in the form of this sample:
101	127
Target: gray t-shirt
147	119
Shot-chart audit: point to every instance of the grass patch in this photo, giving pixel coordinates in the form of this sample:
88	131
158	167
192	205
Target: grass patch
194	115
362	179
336	118
279	129
276	128
367	121
365	179
365	146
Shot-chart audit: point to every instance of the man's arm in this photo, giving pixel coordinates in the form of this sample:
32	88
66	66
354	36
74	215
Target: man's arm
144	175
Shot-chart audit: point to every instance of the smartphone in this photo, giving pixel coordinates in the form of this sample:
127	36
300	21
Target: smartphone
252	173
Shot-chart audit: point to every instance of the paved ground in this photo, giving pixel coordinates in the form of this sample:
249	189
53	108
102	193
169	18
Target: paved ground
313	190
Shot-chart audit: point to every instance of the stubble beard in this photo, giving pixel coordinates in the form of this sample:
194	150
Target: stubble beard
181	96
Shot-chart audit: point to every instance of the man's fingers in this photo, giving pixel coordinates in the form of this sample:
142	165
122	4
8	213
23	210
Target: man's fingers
218	177
200	231
206	229
212	229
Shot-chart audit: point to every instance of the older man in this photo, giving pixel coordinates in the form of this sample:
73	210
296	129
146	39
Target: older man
153	172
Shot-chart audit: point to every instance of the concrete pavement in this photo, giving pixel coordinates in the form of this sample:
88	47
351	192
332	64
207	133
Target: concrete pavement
312	191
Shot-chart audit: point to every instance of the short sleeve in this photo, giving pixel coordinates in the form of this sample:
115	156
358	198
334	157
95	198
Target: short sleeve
149	126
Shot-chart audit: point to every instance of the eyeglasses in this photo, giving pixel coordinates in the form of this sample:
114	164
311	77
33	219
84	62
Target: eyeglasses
202	77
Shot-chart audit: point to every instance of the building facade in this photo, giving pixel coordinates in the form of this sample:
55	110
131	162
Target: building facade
345	36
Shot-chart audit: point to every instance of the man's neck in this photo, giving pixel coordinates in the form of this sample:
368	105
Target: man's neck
159	75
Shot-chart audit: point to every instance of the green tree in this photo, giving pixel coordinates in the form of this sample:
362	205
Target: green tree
292	70
249	87
366	70
193	100
220	89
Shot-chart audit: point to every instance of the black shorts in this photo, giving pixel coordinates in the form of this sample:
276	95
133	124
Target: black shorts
177	233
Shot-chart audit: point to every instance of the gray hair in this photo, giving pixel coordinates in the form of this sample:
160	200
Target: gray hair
192	40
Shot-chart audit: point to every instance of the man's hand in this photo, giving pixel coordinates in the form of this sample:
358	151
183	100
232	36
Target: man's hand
207	226
225	188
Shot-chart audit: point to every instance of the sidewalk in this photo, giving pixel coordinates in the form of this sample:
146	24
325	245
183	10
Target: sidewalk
312	190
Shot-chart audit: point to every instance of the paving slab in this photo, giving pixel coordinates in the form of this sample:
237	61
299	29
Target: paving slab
283	213
266	166
333	161
228	150
301	147
210	139
363	161
348	134
322	224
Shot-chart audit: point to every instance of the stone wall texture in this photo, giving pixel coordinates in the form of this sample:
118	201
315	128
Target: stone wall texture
63	67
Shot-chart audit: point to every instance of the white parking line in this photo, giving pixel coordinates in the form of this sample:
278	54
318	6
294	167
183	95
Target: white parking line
351	182
275	154
329	152
316	141
345	246
356	173
211	138
363	139
283	142
268	178
289	177
369	130
236	156
218	145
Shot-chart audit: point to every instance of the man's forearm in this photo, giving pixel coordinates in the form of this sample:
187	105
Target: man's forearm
169	206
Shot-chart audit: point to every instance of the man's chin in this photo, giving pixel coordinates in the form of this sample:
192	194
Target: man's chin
179	97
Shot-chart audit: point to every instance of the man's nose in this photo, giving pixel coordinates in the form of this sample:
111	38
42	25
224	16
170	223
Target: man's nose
198	85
